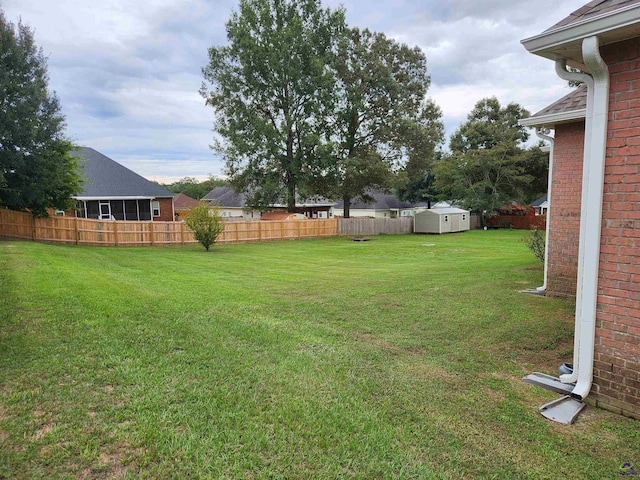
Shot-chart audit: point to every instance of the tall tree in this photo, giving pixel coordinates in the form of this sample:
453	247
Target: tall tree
488	125
416	182
37	170
272	90
381	89
488	164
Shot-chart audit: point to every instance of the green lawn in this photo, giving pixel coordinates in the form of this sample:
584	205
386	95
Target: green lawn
395	358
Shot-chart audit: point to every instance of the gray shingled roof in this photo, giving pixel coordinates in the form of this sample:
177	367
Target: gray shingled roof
592	9
383	201
539	201
106	178
575	100
226	197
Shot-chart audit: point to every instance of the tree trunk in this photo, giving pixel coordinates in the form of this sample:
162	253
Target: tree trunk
347	206
291	197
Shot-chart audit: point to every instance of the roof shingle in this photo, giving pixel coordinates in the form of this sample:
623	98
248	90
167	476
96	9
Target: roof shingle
106	178
592	9
573	101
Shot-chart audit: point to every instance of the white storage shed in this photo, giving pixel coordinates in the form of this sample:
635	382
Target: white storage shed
441	220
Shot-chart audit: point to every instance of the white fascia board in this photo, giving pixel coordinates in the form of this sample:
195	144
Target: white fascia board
554	118
107	197
597	25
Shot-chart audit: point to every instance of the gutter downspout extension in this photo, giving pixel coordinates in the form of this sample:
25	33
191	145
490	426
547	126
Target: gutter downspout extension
543	133
591	216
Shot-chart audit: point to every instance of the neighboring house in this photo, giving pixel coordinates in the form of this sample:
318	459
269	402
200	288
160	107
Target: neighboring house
233	205
183	205
593	252
541	205
113	192
385	205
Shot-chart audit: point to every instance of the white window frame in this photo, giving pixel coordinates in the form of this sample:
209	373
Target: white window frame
155	203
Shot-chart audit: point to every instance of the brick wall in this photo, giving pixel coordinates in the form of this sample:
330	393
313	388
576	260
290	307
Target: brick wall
564	214
166	210
617	352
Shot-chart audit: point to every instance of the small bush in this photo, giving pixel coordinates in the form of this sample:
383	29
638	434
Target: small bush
206	224
535	242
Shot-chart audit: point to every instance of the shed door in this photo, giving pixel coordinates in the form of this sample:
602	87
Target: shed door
455	223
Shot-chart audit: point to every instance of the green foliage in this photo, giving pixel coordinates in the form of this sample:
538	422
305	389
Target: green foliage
488	125
488	167
206	223
194	189
272	89
37	170
535	241
415	182
381	114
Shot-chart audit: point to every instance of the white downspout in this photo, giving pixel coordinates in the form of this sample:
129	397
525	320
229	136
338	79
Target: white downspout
591	215
561	71
543	133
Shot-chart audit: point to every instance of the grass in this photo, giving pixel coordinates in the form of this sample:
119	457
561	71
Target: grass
395	358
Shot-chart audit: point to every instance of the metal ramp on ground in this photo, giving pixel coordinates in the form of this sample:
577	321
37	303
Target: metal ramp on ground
563	410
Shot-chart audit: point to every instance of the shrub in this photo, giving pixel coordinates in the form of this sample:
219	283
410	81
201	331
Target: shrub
535	242
206	224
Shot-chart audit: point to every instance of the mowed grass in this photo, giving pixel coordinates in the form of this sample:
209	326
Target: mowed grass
401	357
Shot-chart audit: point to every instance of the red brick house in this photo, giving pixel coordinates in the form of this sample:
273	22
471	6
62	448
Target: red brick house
593	252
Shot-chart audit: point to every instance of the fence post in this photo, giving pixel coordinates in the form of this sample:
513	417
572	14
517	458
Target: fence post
259	231
152	233
182	233
33	227
115	233
75	229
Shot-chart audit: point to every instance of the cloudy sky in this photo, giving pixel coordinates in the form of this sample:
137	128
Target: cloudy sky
127	72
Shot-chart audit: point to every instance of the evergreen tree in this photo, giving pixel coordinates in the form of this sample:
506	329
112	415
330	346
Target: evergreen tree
37	170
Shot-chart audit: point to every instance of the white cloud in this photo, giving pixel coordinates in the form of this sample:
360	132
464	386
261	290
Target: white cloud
128	73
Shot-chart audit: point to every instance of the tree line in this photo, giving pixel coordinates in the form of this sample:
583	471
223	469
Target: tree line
304	106
307	106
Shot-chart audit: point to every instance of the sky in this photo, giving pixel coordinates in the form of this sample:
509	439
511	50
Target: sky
127	72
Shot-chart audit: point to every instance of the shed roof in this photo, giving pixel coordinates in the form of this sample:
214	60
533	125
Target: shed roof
106	178
443	211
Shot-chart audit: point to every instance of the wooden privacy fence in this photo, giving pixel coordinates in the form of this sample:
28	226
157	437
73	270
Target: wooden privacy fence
81	231
375	226
526	222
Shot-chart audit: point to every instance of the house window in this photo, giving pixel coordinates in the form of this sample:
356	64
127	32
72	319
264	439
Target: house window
156	208
59	213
